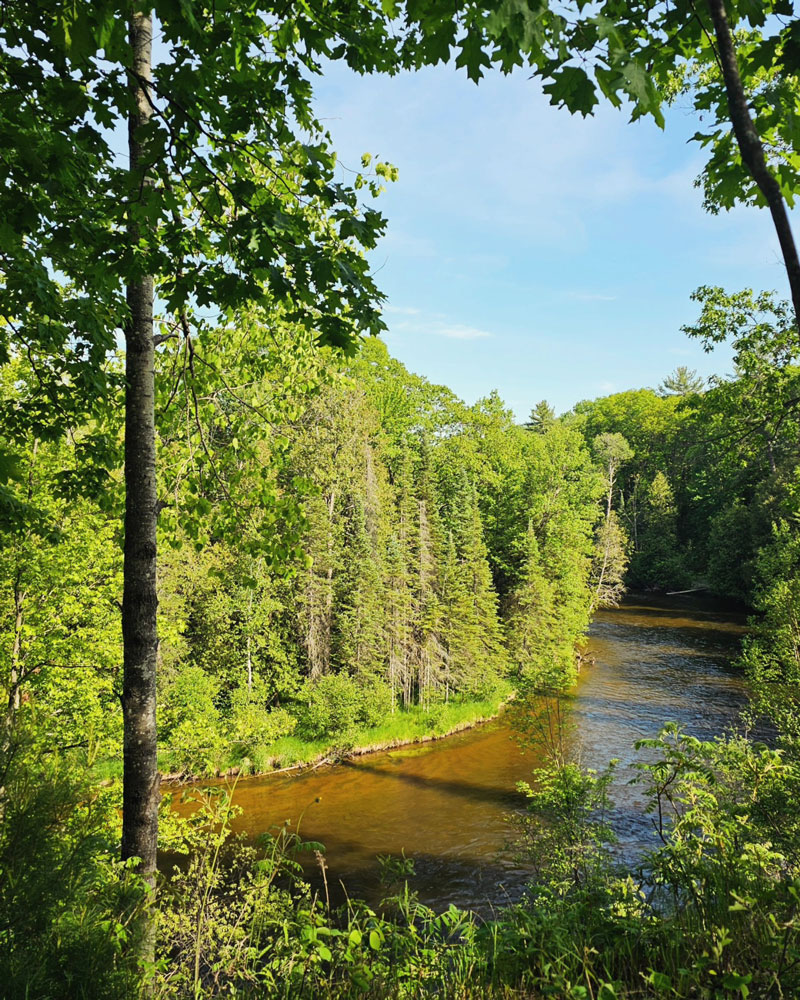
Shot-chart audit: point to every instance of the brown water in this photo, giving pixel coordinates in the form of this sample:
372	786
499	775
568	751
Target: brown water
446	804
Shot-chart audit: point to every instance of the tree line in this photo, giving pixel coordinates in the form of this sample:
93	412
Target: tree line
440	550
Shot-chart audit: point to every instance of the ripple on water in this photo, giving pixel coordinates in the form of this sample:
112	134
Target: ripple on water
446	804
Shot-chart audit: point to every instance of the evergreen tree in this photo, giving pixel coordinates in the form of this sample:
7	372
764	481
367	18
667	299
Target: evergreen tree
682	382
359	630
541	417
658	562
530	615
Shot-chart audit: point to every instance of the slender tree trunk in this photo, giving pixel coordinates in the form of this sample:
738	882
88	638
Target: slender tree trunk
249	646
140	794
752	149
17	671
773	467
329	582
14	696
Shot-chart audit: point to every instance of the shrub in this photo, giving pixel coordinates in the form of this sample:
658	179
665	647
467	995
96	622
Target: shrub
335	704
67	906
189	722
253	724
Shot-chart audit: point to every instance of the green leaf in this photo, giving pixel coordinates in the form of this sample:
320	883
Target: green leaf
572	88
473	57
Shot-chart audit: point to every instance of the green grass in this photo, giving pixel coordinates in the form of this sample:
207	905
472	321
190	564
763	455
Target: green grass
412	725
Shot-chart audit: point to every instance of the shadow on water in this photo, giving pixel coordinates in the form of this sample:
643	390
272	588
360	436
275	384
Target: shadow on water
444	786
447	804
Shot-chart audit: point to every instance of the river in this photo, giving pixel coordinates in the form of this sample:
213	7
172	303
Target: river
447	803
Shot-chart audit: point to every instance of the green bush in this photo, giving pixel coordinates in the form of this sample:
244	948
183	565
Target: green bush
189	722
335	704
67	905
253	724
376	703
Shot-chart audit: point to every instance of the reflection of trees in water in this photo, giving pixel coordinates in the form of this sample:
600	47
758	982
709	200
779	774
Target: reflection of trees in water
451	798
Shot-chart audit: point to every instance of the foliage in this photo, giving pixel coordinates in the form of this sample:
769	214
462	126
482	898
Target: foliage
335	704
66	903
252	724
566	833
190	722
682	382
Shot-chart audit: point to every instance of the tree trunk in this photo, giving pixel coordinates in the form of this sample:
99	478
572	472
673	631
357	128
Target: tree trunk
752	149
17	670
140	794
14	697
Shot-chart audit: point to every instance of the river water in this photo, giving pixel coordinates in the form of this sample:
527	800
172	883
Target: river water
447	803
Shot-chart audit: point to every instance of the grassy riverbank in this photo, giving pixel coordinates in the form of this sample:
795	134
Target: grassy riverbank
404	726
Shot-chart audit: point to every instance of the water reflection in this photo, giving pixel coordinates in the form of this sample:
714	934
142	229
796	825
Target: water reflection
446	804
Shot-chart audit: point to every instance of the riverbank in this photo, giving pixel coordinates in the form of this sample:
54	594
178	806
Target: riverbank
404	728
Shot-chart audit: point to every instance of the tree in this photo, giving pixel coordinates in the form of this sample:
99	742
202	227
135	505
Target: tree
222	202
658	561
611	450
682	382
541	417
531	614
611	542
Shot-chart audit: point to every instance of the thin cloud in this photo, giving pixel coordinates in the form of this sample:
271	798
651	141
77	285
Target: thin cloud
459	332
401	310
436	324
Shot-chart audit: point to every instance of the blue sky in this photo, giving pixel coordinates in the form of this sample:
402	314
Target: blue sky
543	255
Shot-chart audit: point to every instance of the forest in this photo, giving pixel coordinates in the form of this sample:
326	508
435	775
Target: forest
238	536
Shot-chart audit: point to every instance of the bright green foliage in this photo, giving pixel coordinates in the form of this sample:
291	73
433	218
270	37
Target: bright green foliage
768	65
711	471
610	562
335	704
566	833
66	903
713	911
611	548
189	721
253	723
772	651
533	646
60	584
413	582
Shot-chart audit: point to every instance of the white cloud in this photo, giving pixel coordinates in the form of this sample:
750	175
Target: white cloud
459	332
401	310
431	324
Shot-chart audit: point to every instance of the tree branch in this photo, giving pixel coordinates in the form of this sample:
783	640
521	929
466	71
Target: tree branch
752	149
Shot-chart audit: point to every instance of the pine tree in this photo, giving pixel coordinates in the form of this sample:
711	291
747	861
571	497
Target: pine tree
473	629
403	544
541	418
530	615
658	561
359	631
429	649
